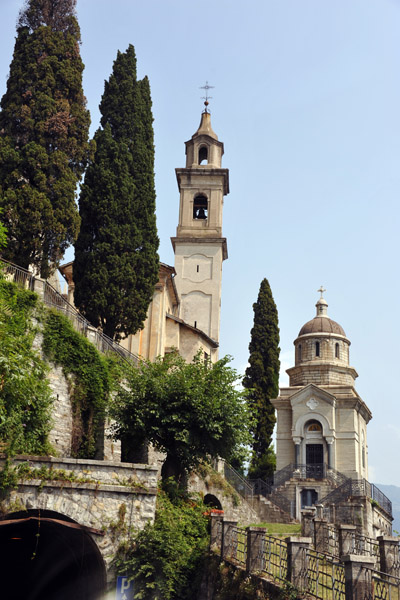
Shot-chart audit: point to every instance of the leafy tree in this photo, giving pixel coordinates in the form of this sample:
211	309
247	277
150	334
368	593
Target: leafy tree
262	380
116	261
43	135
190	411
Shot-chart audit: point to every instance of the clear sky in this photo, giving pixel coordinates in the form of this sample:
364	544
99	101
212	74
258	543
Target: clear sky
307	103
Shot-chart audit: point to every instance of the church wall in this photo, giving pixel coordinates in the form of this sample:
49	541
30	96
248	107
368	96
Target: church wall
172	334
191	343
284	442
346	455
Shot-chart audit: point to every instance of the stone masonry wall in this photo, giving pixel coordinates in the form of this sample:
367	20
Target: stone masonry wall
95	503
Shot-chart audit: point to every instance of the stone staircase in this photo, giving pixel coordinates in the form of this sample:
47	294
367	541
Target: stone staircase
269	512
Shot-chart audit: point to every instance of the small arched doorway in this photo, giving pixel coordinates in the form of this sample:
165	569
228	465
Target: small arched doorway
47	556
314	449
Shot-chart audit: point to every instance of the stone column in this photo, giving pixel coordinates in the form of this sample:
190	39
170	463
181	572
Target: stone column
307	522
255	549
330	440
346	539
227	538
321	542
358	580
216	531
297	442
297	560
389	555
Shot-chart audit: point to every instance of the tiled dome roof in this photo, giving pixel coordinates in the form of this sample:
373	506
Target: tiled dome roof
322	325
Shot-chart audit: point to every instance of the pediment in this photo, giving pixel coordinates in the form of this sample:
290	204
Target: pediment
312	397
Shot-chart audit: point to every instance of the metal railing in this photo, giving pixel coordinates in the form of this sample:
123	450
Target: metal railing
381	585
239	546
53	299
325	576
358	487
301	471
238	482
274	558
262	488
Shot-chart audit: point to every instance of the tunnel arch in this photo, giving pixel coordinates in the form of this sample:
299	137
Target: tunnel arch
48	555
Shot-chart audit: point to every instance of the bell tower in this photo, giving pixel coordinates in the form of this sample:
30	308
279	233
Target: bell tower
199	246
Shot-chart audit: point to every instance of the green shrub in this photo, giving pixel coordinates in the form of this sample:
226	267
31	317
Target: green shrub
165	558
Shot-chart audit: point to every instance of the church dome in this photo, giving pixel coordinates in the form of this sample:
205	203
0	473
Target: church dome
321	323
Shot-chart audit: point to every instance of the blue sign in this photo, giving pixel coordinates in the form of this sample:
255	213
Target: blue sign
124	588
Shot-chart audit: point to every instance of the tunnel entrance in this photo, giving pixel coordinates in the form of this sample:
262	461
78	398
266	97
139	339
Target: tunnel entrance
46	556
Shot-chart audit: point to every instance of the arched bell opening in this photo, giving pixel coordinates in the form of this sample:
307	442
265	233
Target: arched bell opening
203	155
200	207
47	555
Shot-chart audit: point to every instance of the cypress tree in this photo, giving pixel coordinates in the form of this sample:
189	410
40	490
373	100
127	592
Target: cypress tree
44	129
116	260
262	380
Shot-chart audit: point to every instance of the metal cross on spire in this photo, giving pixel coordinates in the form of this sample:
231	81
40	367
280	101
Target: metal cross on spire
206	98
321	291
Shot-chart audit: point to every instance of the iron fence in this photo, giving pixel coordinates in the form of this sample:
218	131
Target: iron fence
274	558
325	576
239	546
380	586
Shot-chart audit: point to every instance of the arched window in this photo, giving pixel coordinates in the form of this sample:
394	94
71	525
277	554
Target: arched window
314	426
200	207
203	155
299	352
337	350
317	349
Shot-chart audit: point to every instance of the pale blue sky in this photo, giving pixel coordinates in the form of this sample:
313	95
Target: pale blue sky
306	101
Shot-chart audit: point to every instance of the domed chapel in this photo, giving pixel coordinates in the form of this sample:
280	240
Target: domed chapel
321	419
321	435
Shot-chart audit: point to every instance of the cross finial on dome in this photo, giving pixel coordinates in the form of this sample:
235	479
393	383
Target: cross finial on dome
206	98
321	291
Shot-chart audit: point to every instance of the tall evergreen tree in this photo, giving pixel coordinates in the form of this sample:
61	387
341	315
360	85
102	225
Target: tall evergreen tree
262	380
116	260
44	128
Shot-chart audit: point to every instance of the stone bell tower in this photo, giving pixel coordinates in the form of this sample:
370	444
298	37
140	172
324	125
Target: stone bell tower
199	245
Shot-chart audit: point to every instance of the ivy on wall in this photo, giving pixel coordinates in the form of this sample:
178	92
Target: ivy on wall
25	395
90	375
